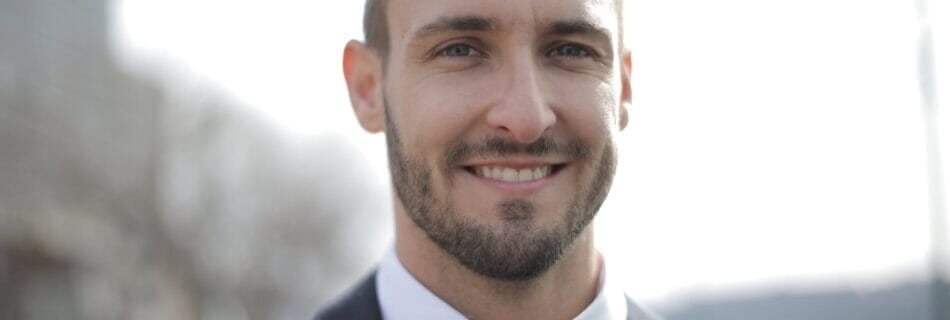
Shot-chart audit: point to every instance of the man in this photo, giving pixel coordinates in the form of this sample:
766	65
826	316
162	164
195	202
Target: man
500	118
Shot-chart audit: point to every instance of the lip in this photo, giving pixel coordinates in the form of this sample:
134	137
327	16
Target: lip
511	188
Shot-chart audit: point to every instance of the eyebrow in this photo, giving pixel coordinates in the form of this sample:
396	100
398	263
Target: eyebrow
579	26
459	23
482	23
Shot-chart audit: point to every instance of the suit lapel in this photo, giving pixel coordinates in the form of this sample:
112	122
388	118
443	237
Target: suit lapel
359	303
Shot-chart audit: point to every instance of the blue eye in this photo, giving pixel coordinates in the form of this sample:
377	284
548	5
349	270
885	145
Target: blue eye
459	51
570	51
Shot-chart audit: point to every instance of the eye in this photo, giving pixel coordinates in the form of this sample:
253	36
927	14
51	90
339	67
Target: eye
459	50
570	51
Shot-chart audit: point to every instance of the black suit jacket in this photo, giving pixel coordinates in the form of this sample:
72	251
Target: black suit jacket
360	303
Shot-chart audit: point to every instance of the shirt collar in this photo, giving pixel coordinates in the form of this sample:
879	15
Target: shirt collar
402	297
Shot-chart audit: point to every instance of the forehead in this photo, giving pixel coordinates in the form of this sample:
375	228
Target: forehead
408	16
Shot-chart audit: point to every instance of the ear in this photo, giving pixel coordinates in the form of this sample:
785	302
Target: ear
626	95
363	72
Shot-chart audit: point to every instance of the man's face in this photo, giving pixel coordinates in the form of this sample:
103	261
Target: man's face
499	119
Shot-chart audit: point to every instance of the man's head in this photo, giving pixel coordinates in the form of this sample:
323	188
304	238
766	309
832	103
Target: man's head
499	118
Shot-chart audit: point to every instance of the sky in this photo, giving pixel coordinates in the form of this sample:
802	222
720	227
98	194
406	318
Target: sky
771	143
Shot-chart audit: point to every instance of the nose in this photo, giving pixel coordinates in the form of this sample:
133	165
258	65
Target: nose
521	112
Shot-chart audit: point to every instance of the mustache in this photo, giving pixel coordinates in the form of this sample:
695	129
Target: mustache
498	147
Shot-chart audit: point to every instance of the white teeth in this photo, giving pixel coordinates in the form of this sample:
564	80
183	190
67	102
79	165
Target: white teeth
509	175
496	173
525	174
537	173
513	175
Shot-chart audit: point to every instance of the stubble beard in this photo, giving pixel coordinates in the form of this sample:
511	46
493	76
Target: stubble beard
519	250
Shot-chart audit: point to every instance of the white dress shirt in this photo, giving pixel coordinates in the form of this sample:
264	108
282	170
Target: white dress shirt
402	297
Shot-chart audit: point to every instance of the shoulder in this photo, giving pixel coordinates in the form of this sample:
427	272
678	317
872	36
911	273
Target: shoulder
635	312
359	302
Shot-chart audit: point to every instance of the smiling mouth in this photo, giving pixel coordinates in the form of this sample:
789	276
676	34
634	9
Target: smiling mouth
506	174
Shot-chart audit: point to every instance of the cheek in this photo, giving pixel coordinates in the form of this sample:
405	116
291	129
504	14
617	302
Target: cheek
588	108
435	112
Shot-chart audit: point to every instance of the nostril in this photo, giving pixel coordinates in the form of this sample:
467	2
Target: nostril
522	113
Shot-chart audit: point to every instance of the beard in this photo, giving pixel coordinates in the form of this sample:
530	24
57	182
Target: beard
519	249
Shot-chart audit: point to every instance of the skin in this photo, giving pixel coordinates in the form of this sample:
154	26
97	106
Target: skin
516	80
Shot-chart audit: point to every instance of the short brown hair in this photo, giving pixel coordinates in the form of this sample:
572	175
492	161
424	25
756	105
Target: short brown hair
376	27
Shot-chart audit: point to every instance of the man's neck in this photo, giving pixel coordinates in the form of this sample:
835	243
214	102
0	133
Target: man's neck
567	288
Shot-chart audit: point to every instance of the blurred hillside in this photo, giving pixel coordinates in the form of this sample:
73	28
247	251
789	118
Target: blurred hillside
122	200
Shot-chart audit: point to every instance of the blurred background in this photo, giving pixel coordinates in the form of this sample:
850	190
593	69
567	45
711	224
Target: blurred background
198	160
